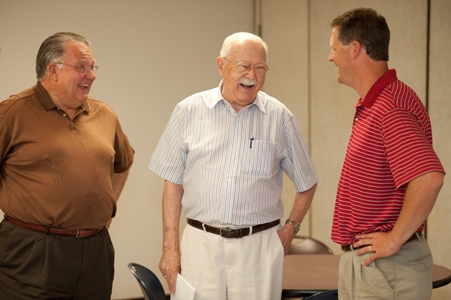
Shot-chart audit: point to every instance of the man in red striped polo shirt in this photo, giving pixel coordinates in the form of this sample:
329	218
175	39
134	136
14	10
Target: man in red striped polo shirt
391	175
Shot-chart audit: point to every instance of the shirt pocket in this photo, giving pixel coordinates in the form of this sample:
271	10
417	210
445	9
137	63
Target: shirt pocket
259	158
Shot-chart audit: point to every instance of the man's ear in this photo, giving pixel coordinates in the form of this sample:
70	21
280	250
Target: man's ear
52	71
356	48
220	64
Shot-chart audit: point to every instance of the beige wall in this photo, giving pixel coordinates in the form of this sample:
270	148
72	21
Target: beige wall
439	225
285	28
151	54
298	34
154	53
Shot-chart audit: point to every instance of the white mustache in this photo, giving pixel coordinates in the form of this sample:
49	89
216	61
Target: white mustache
248	82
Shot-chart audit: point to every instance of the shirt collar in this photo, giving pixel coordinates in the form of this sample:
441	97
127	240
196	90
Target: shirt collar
386	79
259	100
48	104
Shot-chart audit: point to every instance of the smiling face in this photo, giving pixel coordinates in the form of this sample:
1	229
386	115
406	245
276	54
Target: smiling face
73	86
339	55
240	89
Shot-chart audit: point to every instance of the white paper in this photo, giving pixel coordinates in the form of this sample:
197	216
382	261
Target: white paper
183	290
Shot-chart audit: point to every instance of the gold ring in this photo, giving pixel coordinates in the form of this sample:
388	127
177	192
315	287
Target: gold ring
369	248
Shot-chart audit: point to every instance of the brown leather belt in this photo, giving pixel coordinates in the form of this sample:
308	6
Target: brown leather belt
416	236
81	233
229	233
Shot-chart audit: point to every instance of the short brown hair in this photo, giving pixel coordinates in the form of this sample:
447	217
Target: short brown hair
366	26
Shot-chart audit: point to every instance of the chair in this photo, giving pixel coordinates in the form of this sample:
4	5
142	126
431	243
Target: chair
327	295
148	282
308	245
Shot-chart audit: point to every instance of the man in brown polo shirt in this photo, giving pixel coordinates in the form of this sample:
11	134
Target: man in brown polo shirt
64	161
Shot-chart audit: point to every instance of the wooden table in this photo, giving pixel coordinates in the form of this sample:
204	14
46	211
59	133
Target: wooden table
305	275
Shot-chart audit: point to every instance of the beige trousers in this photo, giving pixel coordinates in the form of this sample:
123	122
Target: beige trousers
248	268
406	275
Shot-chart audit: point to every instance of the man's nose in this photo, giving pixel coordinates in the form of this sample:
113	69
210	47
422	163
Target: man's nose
330	58
250	73
91	75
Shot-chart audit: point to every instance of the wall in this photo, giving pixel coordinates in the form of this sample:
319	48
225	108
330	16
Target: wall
151	54
285	29
298	34
439	90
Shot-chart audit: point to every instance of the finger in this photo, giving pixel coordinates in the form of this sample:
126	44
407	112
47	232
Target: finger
171	284
369	260
363	249
365	236
163	271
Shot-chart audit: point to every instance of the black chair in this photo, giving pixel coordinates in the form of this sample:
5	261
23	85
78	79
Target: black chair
327	295
148	282
308	245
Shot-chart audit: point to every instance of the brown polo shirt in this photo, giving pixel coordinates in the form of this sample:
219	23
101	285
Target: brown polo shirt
56	171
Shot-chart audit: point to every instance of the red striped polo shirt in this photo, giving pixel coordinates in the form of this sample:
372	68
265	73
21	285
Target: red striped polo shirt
390	144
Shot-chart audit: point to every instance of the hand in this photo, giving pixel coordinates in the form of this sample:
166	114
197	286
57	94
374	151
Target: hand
286	235
170	267
380	243
107	225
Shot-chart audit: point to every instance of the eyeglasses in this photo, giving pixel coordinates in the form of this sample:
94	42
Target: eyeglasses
82	69
242	68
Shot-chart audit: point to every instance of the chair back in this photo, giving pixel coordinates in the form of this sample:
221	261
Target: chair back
148	282
327	295
308	245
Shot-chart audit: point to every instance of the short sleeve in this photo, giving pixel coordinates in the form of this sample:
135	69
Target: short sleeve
298	165
169	158
409	149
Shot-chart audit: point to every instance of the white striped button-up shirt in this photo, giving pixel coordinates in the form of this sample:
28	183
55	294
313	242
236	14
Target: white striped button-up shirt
231	164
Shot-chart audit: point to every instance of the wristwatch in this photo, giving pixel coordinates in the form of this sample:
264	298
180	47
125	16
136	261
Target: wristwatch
296	225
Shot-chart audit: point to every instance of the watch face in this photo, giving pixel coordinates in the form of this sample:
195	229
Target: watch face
297	226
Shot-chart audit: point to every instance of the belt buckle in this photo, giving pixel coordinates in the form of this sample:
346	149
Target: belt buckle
78	234
225	229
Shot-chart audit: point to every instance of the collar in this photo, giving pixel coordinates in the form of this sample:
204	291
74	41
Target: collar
259	101
46	101
388	78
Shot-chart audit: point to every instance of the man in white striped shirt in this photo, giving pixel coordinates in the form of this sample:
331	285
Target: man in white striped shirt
391	175
222	155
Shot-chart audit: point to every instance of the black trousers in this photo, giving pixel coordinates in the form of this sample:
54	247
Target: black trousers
35	265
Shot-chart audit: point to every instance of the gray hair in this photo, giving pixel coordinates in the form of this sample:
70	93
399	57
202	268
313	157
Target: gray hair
53	49
237	38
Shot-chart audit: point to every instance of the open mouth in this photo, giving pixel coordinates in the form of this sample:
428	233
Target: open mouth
247	86
83	86
248	83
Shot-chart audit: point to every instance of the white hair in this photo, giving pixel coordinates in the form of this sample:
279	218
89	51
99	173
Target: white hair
238	37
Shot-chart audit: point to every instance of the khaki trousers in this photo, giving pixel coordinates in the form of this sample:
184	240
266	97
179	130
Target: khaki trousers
406	275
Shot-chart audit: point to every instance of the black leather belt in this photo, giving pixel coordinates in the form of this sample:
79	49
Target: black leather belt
229	233
416	236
